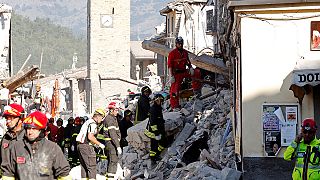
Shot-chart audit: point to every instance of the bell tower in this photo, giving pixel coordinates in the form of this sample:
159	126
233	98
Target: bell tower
108	50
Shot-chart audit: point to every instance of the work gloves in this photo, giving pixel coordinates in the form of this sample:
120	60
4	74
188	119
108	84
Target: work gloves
158	137
172	79
102	146
119	150
191	70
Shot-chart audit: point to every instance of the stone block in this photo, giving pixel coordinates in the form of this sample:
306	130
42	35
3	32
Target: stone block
230	174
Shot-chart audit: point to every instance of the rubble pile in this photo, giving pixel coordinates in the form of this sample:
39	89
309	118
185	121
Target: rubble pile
202	147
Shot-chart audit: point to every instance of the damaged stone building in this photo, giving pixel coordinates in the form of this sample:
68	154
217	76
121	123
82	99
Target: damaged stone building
201	134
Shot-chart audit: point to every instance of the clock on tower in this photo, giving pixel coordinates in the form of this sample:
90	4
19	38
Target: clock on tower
106	21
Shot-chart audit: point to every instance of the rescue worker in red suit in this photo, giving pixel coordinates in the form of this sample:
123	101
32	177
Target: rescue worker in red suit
178	60
14	115
35	157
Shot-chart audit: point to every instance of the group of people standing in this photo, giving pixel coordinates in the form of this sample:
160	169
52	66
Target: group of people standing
103	135
26	153
34	148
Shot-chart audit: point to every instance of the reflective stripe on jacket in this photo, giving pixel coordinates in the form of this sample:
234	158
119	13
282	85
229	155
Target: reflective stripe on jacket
297	151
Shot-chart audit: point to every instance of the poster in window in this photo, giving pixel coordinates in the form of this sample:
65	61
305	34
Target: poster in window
272	143
315	36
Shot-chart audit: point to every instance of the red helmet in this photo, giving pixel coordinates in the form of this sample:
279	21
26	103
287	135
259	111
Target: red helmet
13	110
309	124
77	121
36	120
113	105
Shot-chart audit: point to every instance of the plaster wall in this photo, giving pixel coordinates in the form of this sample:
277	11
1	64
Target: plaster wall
269	52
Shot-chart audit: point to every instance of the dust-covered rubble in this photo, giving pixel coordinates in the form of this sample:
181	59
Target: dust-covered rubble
201	146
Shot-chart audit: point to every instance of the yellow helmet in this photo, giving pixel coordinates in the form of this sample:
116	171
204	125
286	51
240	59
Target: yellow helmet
100	111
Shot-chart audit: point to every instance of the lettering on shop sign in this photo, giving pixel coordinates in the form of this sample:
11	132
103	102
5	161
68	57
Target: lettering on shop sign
310	77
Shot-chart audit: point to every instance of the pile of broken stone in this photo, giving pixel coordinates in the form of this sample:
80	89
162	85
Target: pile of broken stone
201	142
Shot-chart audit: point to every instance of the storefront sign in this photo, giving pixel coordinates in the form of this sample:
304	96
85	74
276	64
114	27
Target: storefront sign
303	77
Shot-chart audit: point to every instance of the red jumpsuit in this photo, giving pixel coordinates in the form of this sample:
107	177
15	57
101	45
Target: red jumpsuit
177	61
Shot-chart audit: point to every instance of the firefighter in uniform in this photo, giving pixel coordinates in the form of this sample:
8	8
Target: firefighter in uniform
35	157
60	134
156	128
143	106
124	125
14	115
67	138
112	132
73	156
178	59
86	139
298	149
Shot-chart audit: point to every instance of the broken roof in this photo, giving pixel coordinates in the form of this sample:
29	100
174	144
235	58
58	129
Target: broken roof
175	5
206	62
138	52
5	8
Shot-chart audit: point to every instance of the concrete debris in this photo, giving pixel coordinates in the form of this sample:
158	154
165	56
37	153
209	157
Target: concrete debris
202	146
136	137
230	174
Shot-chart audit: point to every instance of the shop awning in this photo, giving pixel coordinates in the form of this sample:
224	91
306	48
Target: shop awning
305	74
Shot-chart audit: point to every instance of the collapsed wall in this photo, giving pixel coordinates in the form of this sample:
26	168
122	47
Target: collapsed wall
201	146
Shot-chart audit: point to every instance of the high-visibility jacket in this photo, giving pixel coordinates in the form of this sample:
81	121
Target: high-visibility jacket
297	151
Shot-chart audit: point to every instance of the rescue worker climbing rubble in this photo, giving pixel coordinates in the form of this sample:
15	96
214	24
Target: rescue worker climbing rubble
14	115
86	139
143	105
112	133
156	129
124	125
35	157
305	142
178	59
